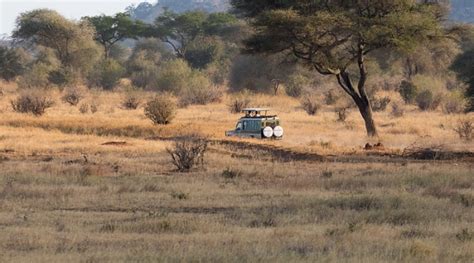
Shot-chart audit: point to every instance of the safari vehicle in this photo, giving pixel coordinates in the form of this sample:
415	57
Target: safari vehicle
257	125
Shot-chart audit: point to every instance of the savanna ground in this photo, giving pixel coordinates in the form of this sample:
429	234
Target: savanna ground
101	188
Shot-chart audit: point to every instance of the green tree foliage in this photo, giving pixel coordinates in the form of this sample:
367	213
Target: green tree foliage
204	51
106	74
111	29
180	30
10	63
464	67
71	42
334	36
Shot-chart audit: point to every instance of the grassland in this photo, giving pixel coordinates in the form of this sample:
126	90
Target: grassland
67	195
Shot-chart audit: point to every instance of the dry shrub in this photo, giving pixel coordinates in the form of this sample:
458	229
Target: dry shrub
455	103
84	108
310	104
160	110
72	96
200	95
131	100
35	102
397	110
187	152
380	104
239	102
341	113
426	100
465	129
94	108
330	97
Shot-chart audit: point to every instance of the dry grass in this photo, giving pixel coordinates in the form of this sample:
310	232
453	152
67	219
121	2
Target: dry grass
91	187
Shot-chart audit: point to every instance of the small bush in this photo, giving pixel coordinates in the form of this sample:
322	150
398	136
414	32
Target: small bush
397	110
465	129
330	97
454	104
380	104
199	91
408	91
94	108
231	173
341	113
426	100
84	108
296	85
106	74
239	102
187	152
160	110
72	96
35	102
310	105
131	100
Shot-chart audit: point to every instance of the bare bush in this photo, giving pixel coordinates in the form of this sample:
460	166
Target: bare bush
84	108
330	97
200	95
397	110
72	96
94	108
310	105
131	101
35	102
380	104
160	110
341	113
465	129
188	152
239	102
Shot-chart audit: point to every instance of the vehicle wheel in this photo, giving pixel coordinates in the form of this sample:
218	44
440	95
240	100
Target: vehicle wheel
267	132
278	131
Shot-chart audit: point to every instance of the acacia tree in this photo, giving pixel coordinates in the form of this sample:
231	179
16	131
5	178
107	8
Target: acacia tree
335	36
71	42
180	30
112	29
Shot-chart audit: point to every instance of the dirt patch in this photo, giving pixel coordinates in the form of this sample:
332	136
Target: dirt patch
115	143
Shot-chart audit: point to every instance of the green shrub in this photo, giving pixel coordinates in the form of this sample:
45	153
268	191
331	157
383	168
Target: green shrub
173	76
35	77
454	103
200	91
106	74
296	85
10	63
32	101
426	100
160	110
408	91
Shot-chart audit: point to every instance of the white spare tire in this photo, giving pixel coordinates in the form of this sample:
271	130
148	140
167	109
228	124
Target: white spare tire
278	131
267	132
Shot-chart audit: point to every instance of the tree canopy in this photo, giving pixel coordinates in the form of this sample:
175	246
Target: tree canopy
335	36
112	29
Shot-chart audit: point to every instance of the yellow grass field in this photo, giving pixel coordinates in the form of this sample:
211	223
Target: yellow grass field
100	187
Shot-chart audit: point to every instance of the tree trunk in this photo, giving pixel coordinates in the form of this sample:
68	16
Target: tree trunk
366	112
361	100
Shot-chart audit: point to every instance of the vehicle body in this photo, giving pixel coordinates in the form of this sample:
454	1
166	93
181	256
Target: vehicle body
257	125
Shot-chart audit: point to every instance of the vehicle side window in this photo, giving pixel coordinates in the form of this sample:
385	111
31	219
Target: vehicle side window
244	124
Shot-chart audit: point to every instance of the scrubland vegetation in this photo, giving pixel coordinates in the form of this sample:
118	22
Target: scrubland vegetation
113	147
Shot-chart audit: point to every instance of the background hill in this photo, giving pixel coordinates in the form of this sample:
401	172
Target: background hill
462	10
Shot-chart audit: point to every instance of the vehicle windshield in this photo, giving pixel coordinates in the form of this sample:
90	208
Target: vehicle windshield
239	126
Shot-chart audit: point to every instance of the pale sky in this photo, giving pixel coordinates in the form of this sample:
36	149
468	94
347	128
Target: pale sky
72	9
